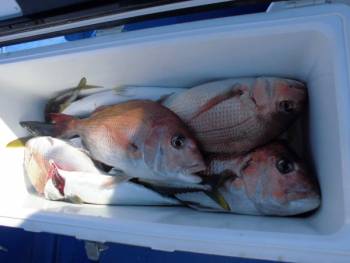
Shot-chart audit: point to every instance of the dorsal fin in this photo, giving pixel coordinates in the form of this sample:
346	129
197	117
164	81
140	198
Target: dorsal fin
232	92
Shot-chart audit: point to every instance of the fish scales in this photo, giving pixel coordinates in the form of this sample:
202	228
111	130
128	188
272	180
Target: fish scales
237	115
269	180
140	137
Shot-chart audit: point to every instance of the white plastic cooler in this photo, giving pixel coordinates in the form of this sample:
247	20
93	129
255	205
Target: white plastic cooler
309	42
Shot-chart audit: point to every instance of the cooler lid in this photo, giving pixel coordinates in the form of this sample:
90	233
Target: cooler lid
27	20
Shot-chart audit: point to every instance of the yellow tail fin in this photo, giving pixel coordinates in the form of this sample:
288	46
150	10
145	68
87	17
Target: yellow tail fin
20	142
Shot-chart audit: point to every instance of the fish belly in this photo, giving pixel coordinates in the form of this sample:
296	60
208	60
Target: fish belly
109	190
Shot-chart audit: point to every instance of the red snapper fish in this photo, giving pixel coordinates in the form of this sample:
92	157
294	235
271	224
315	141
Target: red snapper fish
237	115
269	180
142	138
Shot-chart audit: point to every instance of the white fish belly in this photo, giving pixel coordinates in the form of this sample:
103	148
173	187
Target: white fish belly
109	190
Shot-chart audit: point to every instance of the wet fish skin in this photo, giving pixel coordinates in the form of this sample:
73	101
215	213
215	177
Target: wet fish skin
39	150
43	156
237	115
94	188
88	104
269	180
140	137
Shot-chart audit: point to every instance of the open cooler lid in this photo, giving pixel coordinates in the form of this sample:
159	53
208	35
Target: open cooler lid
27	20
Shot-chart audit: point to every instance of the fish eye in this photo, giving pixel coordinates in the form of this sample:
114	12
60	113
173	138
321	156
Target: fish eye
284	166
286	106
178	141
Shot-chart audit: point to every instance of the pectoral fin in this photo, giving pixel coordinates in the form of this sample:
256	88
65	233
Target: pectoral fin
203	201
219	199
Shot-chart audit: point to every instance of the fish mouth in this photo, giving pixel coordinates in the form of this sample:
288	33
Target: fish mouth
290	208
302	194
188	174
304	205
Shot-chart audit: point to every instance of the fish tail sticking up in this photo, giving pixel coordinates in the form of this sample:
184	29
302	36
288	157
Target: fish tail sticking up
83	85
64	98
62	126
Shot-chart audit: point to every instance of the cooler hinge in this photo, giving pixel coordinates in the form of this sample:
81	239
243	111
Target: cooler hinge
282	5
94	249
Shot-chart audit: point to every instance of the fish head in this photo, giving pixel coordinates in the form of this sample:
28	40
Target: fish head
172	151
278	182
290	96
284	99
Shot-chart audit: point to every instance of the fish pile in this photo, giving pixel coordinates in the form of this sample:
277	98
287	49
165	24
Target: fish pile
213	147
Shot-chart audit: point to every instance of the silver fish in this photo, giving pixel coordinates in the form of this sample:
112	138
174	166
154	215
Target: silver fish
94	188
88	104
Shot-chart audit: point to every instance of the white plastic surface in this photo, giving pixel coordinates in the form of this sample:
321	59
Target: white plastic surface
311	44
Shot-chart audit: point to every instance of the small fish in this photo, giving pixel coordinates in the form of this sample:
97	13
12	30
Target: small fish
94	188
269	180
39	150
237	115
88	104
142	138
64	98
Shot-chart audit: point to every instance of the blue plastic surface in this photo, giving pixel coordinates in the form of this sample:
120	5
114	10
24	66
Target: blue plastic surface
28	247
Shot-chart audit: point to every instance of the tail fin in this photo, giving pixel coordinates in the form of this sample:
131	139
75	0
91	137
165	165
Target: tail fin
63	126
83	85
219	199
37	128
20	142
64	98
